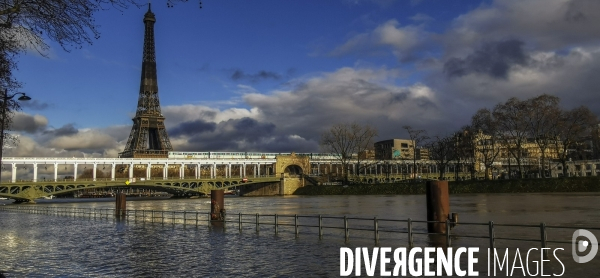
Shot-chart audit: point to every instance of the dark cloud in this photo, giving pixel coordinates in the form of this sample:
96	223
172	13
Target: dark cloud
211	145
239	74
578	11
283	143
177	114
28	123
66	130
245	134
494	59
250	128
398	97
192	127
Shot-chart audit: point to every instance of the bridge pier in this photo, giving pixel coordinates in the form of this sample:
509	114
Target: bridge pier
95	168
130	171
74	171
438	205
148	171
14	172
112	171
282	185
121	205
217	206
35	172
165	171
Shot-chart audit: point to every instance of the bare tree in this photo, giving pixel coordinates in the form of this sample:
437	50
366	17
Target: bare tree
364	142
66	22
512	126
595	140
486	138
417	137
464	149
442	151
543	116
347	140
571	126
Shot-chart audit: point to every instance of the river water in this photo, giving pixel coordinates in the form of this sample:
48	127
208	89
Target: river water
36	245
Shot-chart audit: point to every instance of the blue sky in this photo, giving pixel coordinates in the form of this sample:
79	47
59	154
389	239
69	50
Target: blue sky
273	75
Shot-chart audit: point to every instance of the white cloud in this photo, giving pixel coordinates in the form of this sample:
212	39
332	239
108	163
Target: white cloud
90	139
569	76
402	40
544	24
368	96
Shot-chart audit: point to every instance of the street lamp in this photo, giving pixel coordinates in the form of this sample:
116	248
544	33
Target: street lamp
5	99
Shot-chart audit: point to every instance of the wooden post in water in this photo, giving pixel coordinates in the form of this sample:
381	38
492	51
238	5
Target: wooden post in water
217	206
438	205
121	204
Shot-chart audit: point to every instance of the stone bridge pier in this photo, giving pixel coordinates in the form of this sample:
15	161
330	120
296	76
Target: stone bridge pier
291	169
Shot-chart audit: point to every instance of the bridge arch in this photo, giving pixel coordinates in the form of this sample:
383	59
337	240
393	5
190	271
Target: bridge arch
29	191
293	170
292	165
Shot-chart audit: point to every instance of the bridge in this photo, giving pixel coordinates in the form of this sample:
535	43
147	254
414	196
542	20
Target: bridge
30	168
178	176
35	169
28	191
32	177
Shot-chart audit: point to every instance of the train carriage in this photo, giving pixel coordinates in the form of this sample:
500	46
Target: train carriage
245	155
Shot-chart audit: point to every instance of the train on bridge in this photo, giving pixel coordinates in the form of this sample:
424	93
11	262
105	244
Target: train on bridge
246	155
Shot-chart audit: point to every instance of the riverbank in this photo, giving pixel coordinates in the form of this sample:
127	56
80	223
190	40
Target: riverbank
575	184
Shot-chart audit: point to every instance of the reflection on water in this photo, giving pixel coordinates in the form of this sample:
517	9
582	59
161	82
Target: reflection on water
42	245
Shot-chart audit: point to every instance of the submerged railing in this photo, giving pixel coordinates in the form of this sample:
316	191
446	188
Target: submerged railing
307	224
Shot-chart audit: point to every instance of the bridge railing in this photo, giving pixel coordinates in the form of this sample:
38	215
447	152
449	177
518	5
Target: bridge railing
341	227
138	179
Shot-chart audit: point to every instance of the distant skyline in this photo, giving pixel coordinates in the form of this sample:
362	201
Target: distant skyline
273	75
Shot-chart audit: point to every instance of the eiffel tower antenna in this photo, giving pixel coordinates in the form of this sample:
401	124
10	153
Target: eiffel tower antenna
148	137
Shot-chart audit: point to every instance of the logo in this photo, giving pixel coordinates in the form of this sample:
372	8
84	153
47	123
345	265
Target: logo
581	245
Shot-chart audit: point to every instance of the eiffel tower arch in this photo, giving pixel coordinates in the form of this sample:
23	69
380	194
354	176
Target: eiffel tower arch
148	137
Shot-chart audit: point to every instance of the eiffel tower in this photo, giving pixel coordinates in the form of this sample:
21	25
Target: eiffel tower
148	137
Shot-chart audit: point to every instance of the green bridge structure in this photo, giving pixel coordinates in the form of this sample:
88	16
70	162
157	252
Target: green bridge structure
28	191
278	176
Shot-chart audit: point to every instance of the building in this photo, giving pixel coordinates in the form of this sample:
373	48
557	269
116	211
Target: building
422	153
367	154
399	149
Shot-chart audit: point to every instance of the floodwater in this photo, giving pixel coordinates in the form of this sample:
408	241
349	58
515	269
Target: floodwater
37	245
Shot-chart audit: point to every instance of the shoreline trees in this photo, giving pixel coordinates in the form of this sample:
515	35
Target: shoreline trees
517	132
345	141
527	130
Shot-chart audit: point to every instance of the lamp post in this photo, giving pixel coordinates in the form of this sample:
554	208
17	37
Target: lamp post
5	99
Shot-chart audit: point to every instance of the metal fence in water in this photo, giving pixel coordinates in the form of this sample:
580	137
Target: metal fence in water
338	226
